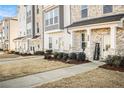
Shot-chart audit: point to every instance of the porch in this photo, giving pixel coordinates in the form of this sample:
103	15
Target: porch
96	41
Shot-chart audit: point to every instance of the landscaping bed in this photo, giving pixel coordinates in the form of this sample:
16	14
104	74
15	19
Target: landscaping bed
114	62
70	58
97	78
109	67
23	67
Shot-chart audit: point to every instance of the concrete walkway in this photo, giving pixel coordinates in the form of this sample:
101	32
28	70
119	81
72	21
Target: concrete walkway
45	77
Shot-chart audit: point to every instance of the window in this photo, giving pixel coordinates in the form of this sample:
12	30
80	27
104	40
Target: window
107	9
37	27
37	9
31	48
38	46
83	43
56	14
51	17
50	42
84	11
46	19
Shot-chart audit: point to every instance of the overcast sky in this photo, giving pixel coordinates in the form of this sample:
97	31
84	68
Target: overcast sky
8	11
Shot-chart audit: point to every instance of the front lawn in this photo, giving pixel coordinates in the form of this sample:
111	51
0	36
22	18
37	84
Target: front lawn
24	67
98	78
4	56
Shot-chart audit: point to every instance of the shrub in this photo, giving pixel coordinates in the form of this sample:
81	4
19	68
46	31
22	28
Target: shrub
11	52
39	53
115	60
65	56
109	60
73	56
24	54
17	53
1	49
122	61
49	51
55	54
60	56
47	56
81	56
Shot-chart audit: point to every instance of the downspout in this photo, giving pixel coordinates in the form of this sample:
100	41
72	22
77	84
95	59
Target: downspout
70	21
42	28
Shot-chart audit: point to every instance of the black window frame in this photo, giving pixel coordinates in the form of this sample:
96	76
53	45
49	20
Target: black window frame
84	12
83	42
106	9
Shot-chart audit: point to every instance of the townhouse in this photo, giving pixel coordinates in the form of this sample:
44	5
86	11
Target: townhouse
95	29
98	30
9	28
1	36
29	38
55	36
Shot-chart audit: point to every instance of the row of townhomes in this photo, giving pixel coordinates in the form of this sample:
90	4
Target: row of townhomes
98	30
8	32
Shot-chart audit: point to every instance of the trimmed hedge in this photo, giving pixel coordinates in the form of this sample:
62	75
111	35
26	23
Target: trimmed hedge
39	53
49	51
65	56
117	61
60	56
17	53
47	56
55	54
81	56
73	56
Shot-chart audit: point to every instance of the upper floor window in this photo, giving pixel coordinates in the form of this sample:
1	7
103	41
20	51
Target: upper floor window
84	11
51	17
37	9
46	19
29	13
56	14
107	9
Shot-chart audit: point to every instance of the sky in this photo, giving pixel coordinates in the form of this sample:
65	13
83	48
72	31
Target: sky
8	11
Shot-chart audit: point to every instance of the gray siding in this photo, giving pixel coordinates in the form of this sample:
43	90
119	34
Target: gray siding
61	17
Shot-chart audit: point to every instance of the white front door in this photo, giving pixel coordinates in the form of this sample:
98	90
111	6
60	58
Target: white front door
106	45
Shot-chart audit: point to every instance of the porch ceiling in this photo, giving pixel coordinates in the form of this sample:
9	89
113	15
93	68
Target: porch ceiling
104	19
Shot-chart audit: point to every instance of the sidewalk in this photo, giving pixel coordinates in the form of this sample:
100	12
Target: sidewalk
45	77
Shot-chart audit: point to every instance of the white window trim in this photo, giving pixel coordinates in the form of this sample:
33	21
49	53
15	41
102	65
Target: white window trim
53	18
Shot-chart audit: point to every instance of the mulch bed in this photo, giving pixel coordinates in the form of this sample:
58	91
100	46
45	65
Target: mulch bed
109	67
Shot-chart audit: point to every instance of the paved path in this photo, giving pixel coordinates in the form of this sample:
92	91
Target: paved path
45	77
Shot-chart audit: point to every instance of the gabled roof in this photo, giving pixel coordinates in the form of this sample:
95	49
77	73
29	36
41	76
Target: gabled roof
104	19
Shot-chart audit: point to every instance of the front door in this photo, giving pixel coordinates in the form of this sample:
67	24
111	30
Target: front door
106	45
97	51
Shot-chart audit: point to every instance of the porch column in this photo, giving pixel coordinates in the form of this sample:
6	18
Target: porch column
88	49
72	41
113	39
